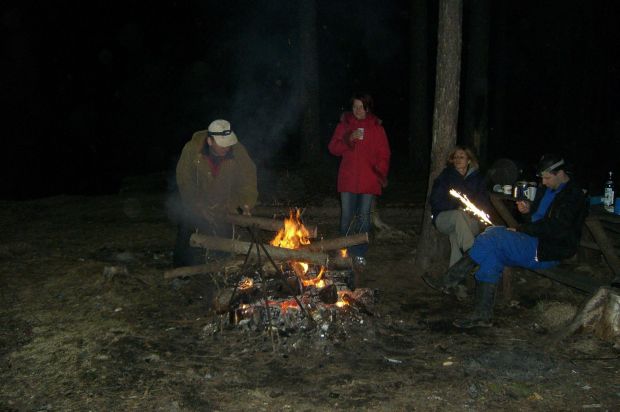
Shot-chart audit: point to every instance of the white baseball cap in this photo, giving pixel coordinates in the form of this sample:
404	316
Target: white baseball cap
221	132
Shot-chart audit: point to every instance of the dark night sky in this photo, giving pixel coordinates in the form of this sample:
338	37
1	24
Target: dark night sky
93	93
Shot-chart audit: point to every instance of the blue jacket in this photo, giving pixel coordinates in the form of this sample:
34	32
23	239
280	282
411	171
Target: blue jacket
473	184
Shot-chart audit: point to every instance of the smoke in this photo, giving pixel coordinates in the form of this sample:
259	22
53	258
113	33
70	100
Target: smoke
265	78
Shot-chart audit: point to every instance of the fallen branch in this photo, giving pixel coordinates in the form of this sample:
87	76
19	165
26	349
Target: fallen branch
211	267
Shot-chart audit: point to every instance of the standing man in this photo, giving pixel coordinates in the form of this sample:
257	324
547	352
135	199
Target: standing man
215	176
551	232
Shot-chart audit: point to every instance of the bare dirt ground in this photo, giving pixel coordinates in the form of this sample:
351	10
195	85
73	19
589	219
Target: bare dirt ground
75	335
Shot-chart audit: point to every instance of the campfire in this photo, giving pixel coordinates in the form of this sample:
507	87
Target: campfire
291	282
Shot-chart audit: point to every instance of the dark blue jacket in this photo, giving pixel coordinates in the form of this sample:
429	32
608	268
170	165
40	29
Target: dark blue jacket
473	184
559	231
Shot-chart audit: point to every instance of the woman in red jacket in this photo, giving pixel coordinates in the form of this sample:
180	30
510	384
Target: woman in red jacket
361	141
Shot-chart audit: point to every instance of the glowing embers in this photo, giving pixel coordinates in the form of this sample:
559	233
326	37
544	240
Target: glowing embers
300	295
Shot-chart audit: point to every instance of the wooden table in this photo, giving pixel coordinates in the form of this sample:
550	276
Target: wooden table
600	241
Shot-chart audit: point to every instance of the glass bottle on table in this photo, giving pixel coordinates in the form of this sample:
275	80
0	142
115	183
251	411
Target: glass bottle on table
609	193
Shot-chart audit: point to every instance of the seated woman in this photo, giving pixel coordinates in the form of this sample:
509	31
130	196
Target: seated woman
462	175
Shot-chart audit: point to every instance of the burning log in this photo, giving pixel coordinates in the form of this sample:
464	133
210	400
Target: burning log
338	243
329	294
263	223
241	248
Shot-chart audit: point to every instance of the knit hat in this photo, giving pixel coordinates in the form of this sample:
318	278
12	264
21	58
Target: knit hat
221	132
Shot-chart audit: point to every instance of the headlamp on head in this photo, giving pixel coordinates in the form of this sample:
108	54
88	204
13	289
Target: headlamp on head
550	163
222	133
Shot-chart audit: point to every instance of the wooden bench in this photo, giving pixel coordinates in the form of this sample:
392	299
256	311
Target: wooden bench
565	273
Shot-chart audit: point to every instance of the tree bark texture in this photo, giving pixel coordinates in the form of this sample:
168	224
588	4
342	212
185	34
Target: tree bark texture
431	247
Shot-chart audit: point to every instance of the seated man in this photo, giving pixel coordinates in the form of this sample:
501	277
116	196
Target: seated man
551	232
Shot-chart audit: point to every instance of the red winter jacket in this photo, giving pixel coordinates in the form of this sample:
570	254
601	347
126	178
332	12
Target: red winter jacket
365	163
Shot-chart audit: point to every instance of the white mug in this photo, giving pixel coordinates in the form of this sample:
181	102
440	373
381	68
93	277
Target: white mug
507	189
361	130
530	193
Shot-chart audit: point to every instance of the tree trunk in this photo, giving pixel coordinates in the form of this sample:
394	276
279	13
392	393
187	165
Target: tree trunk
475	89
419	136
310	133
431	247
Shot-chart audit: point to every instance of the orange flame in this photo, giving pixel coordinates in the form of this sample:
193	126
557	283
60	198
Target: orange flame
245	283
317	281
293	234
343	253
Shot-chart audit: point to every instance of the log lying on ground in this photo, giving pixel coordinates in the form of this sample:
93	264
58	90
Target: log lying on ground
241	248
264	223
226	266
236	265
600	315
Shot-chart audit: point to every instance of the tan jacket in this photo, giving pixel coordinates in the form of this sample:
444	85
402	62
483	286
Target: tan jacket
206	195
